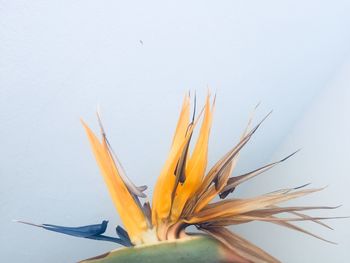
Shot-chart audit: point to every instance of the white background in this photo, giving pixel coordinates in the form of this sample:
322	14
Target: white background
60	59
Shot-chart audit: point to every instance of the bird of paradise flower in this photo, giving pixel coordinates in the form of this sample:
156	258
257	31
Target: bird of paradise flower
184	194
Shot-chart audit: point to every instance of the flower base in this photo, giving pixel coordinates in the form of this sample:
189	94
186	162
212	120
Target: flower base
186	250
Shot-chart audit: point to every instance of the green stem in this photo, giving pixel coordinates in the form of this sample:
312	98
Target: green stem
193	249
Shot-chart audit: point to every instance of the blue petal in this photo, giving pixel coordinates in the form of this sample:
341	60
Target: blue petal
82	231
90	231
112	239
123	235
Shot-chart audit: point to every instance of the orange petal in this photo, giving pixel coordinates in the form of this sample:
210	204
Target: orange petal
167	172
131	215
196	165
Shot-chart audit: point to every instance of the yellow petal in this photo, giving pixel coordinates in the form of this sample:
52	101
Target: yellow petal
162	197
131	215
196	165
183	121
167	172
163	190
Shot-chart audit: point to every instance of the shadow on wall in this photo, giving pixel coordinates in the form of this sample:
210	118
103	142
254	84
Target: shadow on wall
323	134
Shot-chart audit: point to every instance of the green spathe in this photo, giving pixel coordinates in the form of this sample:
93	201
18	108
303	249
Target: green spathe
187	250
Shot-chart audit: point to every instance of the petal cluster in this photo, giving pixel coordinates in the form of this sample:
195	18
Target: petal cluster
186	194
